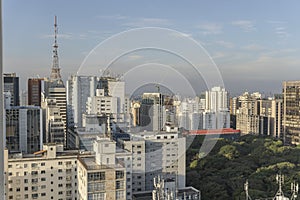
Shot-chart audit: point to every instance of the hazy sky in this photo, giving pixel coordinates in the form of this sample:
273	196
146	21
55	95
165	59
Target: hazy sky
255	44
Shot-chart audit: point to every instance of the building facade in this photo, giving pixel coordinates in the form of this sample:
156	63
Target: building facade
47	174
79	88
11	85
35	89
24	129
291	111
104	176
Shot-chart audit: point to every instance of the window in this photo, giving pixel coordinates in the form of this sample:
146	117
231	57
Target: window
43	164
69	163
100	196
34	165
120	194
34	188
59	170
26	188
43	172
35	196
43	194
60	192
119	185
59	163
60	178
43	179
34	172
34	180
97	186
119	174
96	176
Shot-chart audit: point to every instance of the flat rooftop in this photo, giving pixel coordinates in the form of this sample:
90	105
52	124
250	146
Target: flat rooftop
90	164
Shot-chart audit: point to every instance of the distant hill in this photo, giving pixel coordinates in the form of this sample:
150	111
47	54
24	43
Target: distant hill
223	172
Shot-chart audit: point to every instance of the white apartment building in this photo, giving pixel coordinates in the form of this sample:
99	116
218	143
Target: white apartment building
54	127
216	109
101	104
156	154
105	176
79	88
216	99
47	174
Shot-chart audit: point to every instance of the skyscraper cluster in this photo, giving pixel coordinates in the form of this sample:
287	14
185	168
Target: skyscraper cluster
79	140
88	140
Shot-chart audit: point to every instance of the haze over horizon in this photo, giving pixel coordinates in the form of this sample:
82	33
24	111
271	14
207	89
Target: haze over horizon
254	44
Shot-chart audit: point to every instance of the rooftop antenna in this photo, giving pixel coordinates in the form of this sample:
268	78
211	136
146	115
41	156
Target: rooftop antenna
246	187
294	189
280	181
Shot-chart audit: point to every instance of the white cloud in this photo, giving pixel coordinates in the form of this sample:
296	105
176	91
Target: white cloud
275	22
144	22
112	17
210	28
254	47
245	25
225	44
281	32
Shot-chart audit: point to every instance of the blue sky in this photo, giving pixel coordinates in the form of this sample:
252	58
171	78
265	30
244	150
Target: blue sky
255	44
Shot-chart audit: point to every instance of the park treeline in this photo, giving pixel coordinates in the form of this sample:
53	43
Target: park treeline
222	173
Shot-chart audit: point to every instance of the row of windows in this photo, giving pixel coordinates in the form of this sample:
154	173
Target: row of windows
33	165
34	196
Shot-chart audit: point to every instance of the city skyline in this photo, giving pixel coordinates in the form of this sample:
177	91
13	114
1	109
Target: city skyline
250	42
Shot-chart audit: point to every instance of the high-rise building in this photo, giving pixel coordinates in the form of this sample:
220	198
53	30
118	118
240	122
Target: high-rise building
115	87
156	154
152	112
105	175
55	89
216	99
277	114
247	118
24	129
35	90
79	88
217	107
11	84
54	127
101	104
291	111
